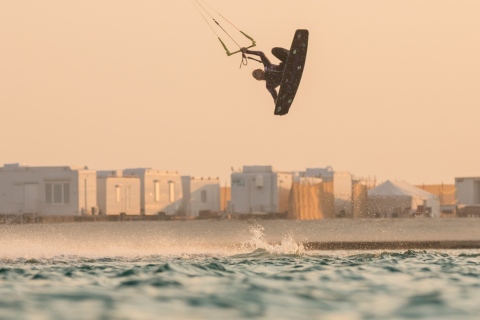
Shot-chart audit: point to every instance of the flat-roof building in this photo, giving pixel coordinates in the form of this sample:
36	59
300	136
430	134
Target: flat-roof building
117	194
200	195
467	190
160	191
260	189
47	191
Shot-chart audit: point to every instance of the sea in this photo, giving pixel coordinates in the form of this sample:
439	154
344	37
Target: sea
172	270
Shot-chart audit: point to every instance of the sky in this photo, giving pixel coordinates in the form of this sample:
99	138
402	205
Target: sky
391	88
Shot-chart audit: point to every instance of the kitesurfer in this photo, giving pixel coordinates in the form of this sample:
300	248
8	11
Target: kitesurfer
271	73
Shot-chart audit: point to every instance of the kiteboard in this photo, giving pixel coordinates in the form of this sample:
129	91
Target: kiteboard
292	73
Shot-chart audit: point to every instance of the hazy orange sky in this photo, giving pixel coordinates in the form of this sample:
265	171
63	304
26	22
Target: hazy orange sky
391	88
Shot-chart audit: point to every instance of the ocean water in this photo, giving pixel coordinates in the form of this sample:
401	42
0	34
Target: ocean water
88	272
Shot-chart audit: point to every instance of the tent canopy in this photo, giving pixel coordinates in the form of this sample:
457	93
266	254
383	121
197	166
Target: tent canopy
399	188
391	196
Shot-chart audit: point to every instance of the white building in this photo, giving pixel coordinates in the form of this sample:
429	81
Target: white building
160	191
467	191
117	194
398	198
200	194
342	188
260	189
47	191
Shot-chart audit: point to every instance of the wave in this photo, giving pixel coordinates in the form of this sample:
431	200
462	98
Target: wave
259	244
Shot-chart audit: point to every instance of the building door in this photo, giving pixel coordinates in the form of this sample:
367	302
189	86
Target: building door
30	198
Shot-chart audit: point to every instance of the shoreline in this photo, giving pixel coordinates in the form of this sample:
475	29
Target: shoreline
392	245
191	236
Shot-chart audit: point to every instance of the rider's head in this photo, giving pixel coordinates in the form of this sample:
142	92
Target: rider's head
259	74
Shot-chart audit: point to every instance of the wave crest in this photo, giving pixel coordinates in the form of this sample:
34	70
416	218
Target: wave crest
259	244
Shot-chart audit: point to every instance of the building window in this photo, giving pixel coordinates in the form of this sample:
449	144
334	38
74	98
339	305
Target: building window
171	191
156	190
118	191
238	182
203	196
57	193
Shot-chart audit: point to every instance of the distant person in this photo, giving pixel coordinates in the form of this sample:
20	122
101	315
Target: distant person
271	73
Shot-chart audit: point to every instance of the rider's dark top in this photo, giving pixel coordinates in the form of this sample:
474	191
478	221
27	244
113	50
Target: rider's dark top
273	72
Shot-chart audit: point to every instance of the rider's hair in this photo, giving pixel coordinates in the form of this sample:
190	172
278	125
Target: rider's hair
258	74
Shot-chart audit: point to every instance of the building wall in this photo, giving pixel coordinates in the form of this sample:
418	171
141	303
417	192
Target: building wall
87	192
200	194
102	195
445	192
225	198
342	188
325	173
308	199
253	192
161	191
186	208
46	190
342	191
259	189
467	190
282	195
434	204
117	195
360	200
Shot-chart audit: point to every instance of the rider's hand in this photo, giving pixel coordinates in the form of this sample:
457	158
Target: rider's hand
244	50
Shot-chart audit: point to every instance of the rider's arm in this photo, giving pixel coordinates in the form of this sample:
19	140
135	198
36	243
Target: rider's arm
262	56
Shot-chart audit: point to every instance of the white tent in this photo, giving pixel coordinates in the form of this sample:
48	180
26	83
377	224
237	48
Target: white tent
399	197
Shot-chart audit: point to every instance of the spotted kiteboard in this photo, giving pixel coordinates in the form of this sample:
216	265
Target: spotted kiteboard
293	72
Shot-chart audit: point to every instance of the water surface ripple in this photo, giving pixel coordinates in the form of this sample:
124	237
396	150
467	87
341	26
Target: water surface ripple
261	283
